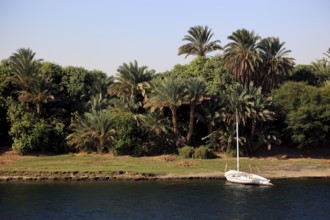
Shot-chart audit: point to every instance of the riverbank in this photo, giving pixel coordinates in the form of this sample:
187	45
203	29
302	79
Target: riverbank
93	167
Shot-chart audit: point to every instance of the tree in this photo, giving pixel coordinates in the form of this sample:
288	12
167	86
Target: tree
310	125
276	63
259	132
305	73
242	57
92	130
327	53
77	86
30	132
24	69
322	71
40	93
196	95
97	103
305	112
253	110
5	91
168	92
131	80
100	84
199	38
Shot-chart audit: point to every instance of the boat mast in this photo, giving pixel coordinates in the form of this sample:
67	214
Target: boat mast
237	144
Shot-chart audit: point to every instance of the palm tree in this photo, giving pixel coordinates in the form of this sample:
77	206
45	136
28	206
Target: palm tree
322	67
131	80
260	113
100	86
241	56
154	124
158	130
327	53
124	105
211	113
38	93
41	93
24	69
92	129
200	43
276	64
238	99
239	107
97	103
168	92
196	95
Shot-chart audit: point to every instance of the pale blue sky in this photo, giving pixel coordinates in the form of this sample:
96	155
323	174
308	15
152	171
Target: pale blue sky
102	35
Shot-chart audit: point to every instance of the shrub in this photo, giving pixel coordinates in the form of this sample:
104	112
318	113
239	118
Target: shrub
203	153
186	152
31	133
126	133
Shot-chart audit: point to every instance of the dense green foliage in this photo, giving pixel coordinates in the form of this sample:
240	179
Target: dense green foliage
31	133
202	152
47	107
187	152
305	113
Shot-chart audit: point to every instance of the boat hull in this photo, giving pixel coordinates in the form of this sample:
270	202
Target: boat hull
235	176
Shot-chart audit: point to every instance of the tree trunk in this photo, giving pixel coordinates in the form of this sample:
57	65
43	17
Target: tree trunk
191	123
38	105
253	131
27	106
175	123
101	147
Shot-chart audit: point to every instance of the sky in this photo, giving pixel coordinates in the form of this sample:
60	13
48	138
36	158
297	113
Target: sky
104	34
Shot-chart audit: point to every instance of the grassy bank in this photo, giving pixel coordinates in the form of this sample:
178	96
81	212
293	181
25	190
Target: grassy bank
106	166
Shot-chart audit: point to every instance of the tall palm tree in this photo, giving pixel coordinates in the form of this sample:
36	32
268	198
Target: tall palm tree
131	80
196	95
168	92
90	130
276	63
199	38
24	69
241	56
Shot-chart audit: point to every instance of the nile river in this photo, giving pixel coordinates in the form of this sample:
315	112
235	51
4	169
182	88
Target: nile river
309	199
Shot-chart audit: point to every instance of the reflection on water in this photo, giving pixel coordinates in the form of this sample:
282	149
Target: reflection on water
165	200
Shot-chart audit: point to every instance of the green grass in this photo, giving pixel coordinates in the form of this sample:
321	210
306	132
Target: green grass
148	165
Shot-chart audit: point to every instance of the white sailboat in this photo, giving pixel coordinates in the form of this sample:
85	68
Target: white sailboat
236	176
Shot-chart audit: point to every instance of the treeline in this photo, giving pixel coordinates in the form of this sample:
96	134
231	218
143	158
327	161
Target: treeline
47	107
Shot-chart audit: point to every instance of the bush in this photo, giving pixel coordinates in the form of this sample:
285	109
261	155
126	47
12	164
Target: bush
186	152
126	136
203	153
31	133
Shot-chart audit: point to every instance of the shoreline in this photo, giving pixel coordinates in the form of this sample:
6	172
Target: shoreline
124	176
105	167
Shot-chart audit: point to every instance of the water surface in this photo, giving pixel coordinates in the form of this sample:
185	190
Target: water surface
165	200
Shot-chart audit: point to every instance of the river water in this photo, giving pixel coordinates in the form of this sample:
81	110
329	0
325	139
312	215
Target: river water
309	199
